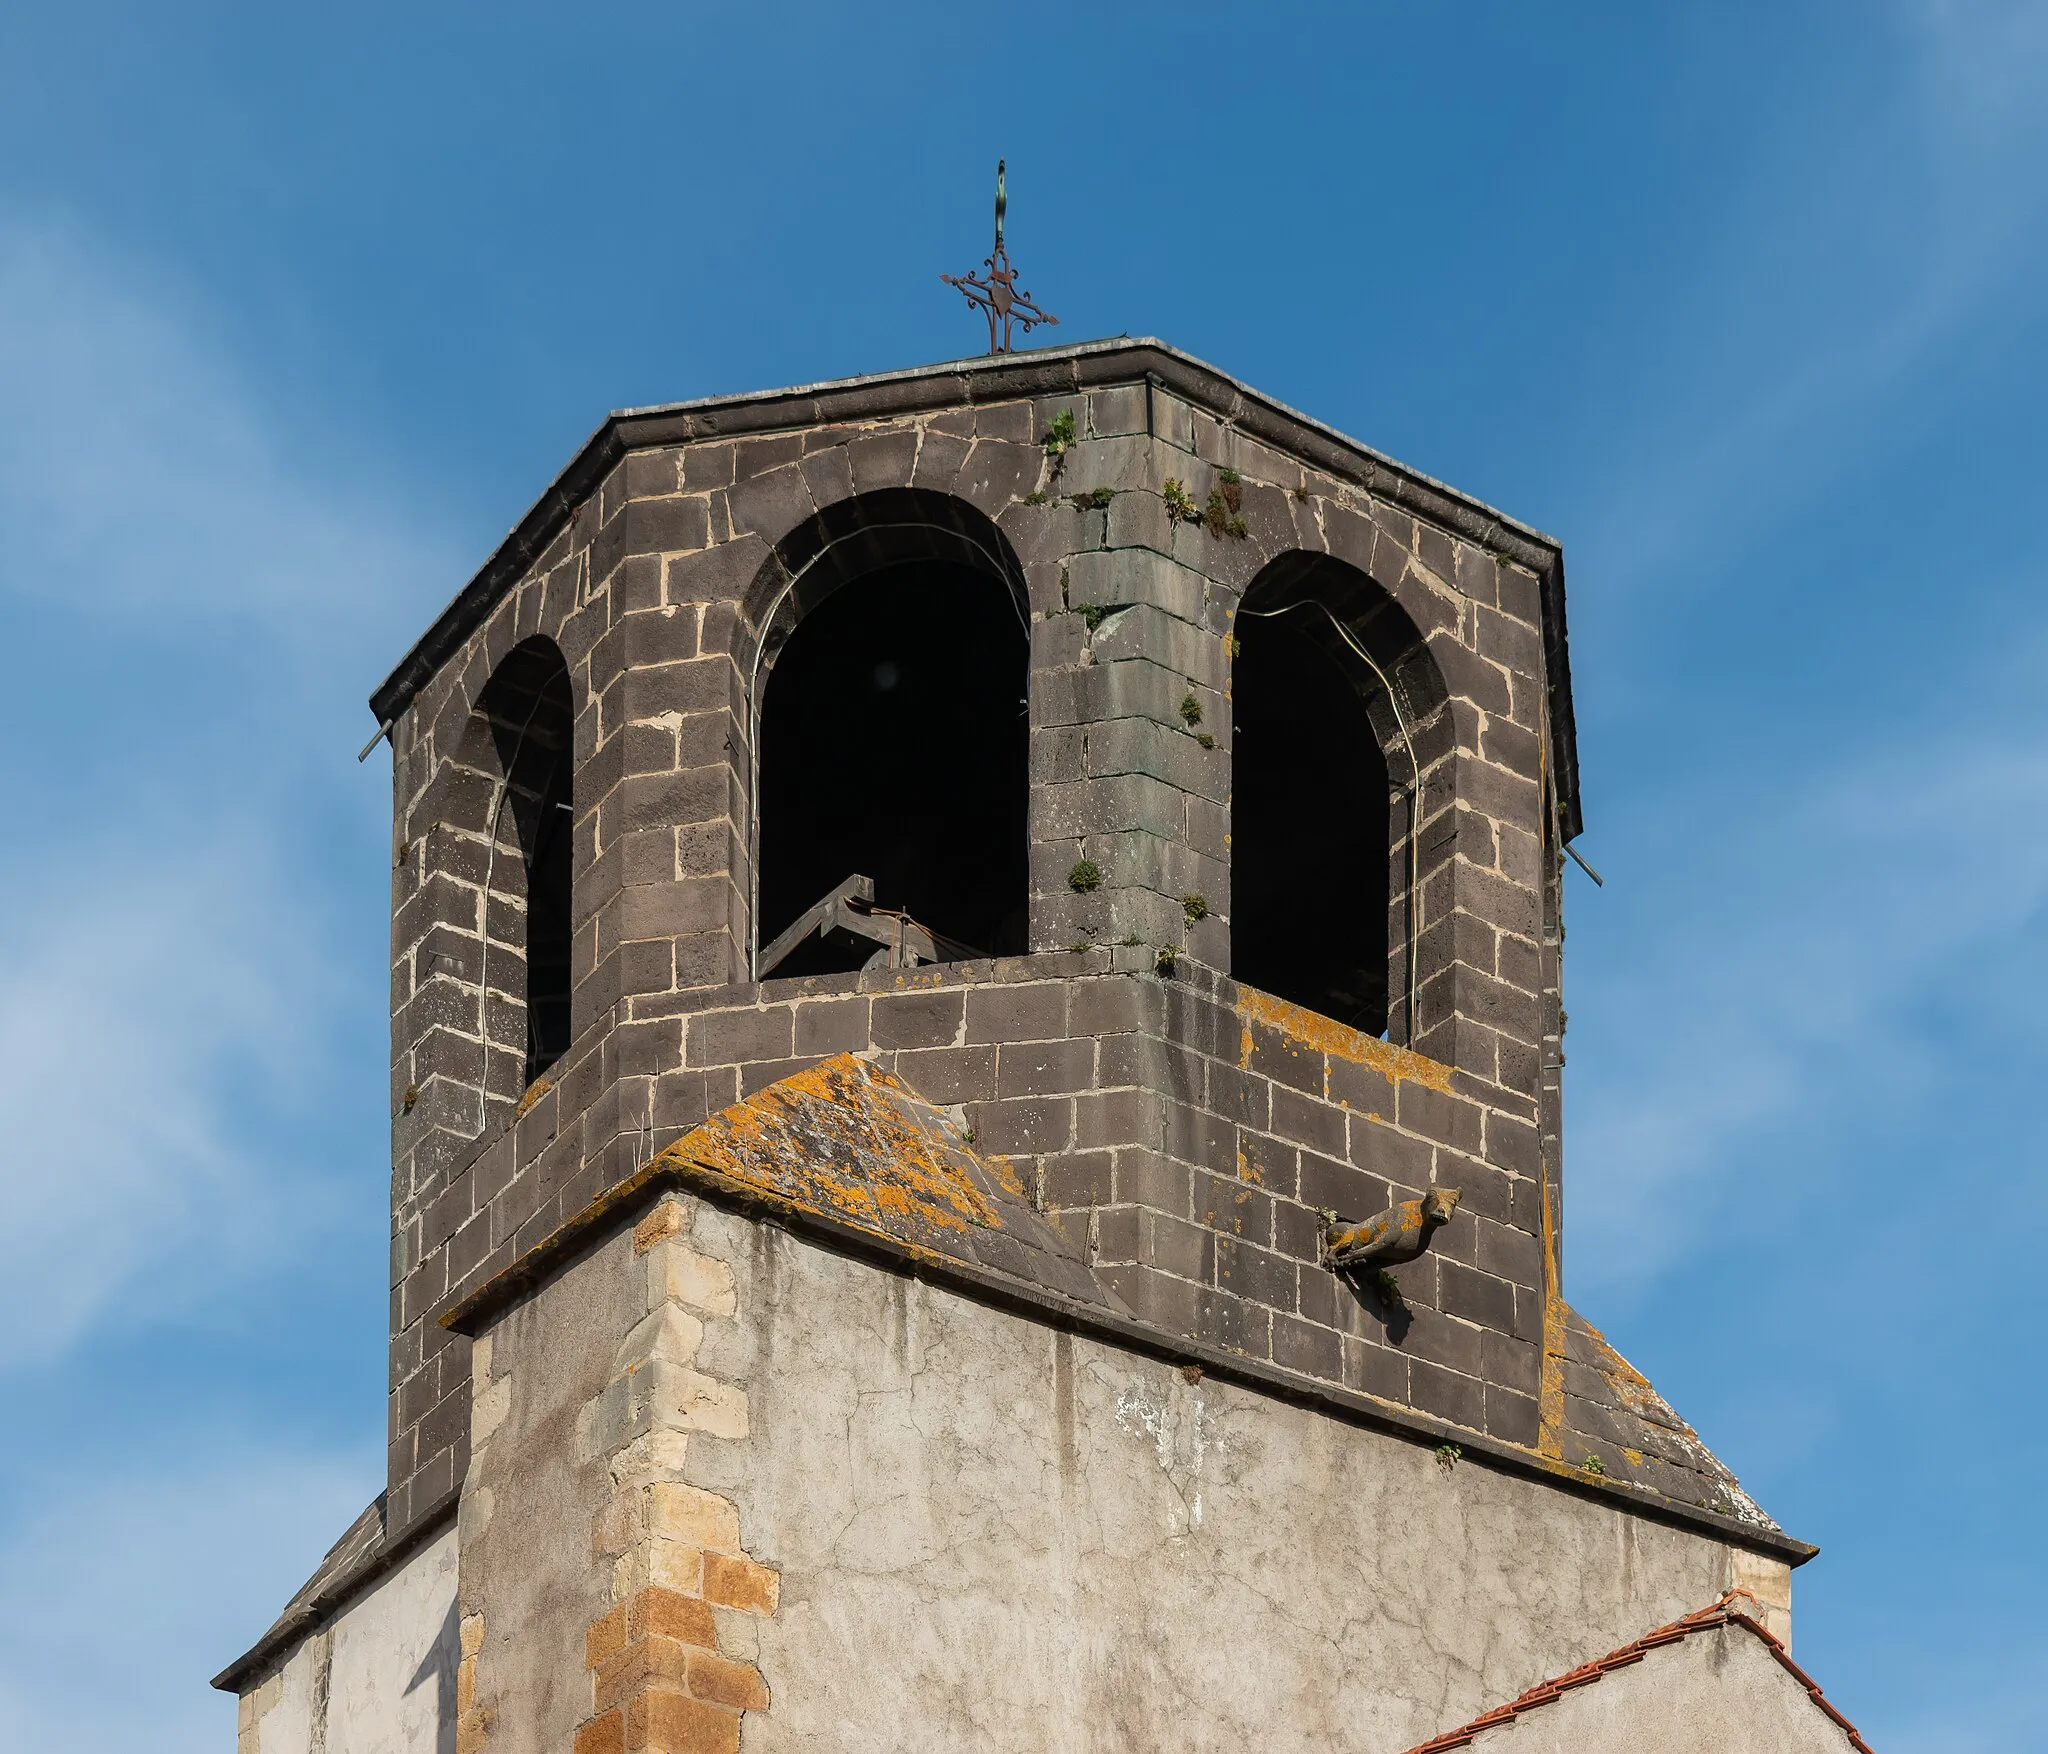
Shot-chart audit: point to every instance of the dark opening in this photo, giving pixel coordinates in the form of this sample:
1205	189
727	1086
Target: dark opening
894	745
1309	826
531	713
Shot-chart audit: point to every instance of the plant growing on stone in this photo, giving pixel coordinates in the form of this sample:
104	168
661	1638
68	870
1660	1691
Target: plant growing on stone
1594	1465
1166	961
1448	1456
1388	1289
1191	709
1085	875
1194	907
1035	497
1060	438
1180	504
1220	516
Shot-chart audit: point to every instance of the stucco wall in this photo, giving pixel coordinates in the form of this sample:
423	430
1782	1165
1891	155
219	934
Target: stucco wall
531	1580
993	1534
379	1679
1707	1694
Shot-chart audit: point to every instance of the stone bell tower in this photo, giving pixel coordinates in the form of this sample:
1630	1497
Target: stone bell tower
921	908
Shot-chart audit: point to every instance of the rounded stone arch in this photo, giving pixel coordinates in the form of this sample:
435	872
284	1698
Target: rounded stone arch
1342	750
494	850
884	650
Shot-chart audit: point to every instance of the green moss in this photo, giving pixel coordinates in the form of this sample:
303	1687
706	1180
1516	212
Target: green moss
1191	710
1085	875
1194	907
1035	497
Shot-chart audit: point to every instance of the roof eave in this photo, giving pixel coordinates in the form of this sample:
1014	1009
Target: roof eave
1005	377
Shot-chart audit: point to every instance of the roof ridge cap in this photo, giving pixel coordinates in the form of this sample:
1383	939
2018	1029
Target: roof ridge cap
1718	1613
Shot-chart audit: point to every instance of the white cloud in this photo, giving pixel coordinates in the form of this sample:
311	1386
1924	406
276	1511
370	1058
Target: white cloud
1844	274
170	992
144	1006
1798	928
134	1582
146	475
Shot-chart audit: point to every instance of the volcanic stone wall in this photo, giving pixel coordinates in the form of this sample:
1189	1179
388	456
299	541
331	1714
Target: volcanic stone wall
1188	1129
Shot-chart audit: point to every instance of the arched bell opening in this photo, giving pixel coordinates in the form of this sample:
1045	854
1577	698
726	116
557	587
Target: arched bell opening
894	789
1335	726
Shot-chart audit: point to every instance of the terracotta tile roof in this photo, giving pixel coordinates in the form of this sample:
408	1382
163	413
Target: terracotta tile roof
1724	1612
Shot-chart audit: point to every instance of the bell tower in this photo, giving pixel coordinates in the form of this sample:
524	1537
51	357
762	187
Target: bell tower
975	1032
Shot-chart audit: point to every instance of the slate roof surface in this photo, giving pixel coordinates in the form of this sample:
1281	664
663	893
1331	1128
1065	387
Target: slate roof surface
852	1144
1599	1406
1728	1611
350	1559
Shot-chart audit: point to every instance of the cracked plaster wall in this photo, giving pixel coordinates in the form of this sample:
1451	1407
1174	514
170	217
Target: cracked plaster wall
377	1679
989	1533
995	1535
531	1579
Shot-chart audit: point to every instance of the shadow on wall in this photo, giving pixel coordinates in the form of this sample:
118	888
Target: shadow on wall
439	1666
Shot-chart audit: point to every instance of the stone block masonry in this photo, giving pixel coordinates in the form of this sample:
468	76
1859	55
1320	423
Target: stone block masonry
1183	1126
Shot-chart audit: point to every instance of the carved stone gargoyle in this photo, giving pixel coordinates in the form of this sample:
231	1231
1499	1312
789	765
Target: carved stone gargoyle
1389	1239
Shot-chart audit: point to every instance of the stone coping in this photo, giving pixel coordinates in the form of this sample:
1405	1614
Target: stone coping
623	1205
333	1586
1048	371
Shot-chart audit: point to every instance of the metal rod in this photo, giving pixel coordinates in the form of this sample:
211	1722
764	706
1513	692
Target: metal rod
1599	881
383	731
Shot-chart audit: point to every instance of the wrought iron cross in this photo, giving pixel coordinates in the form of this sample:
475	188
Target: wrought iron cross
997	295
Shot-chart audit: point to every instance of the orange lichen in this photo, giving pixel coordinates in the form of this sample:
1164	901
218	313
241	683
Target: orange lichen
1327	1036
1550	1382
847	1141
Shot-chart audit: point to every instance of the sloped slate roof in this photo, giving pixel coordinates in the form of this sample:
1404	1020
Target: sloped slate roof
853	1145
1728	1611
1598	1408
349	1562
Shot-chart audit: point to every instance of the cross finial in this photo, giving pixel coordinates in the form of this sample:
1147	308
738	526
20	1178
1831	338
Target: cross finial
996	294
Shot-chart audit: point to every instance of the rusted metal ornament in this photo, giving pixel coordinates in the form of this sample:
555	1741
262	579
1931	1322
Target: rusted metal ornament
996	294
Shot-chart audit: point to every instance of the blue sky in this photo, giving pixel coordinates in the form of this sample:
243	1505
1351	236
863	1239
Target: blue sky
298	311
